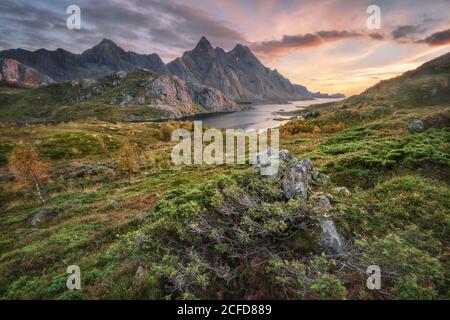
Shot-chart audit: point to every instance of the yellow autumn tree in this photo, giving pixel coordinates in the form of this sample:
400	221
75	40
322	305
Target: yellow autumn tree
129	158
165	133
28	169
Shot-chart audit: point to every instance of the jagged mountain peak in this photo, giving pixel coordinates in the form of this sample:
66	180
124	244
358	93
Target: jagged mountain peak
238	73
241	50
203	45
105	45
107	42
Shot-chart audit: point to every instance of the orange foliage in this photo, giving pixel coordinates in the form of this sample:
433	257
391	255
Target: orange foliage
27	168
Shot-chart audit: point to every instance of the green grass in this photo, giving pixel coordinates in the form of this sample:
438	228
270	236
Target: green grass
61	102
397	215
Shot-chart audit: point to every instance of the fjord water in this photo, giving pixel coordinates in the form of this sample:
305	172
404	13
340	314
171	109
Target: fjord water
261	117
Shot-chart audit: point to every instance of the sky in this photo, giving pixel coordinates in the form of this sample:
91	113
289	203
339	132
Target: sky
322	44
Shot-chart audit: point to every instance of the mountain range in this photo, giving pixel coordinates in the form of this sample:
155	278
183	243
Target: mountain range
238	73
101	60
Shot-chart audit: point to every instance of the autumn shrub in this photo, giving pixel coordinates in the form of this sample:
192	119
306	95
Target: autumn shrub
129	158
294	127
28	169
165	132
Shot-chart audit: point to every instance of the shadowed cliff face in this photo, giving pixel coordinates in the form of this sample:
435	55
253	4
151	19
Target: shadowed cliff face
99	61
15	73
238	73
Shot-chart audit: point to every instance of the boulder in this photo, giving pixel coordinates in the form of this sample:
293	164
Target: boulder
341	191
296	179
114	203
88	83
331	241
267	162
121	74
140	272
324	203
415	126
43	216
285	155
323	179
141	215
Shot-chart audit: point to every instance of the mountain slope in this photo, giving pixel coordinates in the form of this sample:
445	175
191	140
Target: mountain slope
137	96
15	73
237	73
101	60
427	85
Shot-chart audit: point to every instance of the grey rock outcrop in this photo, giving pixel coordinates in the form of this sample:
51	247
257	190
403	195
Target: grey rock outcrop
15	73
185	98
43	216
323	179
296	179
141	215
114	203
267	162
415	126
331	241
324	203
341	191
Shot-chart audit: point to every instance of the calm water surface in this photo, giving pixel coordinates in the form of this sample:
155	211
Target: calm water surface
261	117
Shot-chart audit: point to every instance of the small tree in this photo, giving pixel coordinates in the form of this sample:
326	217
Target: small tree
129	158
165	133
27	168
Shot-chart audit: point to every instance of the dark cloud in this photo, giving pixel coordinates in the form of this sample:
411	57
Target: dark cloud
410	32
277	47
376	36
402	32
166	27
188	24
441	38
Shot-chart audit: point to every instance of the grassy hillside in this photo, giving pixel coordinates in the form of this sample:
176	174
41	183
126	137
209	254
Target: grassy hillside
396	215
428	85
213	232
110	99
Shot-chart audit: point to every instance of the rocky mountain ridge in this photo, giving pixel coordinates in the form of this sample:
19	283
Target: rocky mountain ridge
237	73
103	59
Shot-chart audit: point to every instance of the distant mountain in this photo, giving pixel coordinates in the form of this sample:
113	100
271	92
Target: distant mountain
99	61
136	96
15	73
320	95
237	73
